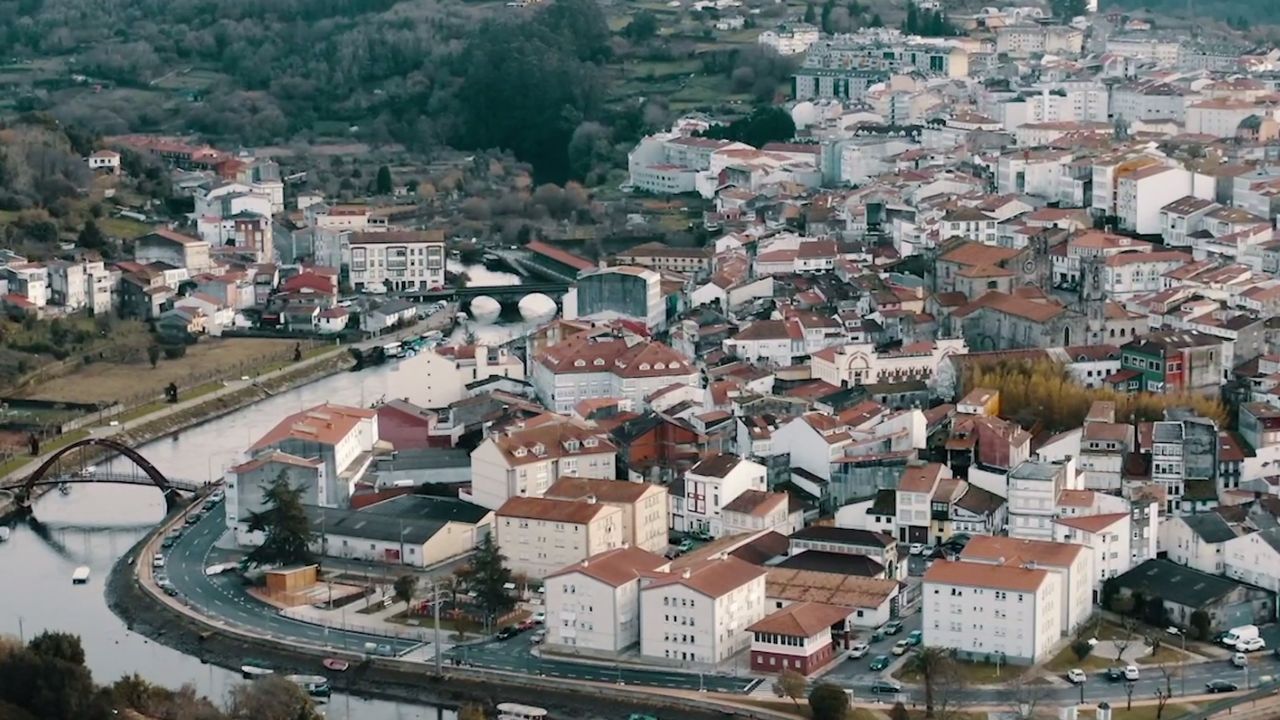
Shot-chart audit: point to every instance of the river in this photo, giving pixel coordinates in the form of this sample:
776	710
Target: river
94	525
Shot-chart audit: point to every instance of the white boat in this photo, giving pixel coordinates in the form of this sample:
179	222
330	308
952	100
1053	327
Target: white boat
64	488
315	685
80	576
516	711
4	534
255	671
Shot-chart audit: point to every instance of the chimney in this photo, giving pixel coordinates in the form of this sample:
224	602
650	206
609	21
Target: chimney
686	573
591	499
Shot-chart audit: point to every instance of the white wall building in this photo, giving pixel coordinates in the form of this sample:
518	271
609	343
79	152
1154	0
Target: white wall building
700	613
539	535
698	502
445	372
1006	610
593	606
525	462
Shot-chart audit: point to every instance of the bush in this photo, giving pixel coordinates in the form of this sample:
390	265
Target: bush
173	352
1081	648
828	702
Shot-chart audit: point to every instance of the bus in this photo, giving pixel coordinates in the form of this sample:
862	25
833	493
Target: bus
516	711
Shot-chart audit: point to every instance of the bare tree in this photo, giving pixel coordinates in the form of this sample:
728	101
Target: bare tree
1163	694
1024	697
790	684
1128	691
1125	639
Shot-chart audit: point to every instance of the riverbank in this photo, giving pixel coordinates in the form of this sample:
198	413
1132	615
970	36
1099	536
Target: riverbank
171	419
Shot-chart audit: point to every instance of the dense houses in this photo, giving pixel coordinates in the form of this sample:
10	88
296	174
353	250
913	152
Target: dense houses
768	443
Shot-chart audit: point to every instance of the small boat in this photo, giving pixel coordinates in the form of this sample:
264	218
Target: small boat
250	671
517	711
80	576
315	685
336	664
64	488
4	534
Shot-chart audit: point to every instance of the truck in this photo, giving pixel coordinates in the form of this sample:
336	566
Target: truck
1237	634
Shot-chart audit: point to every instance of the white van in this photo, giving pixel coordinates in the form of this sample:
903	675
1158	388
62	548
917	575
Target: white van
1238	634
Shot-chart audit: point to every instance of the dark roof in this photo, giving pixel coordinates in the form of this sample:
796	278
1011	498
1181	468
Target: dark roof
886	503
839	563
1197	490
1210	527
979	501
1176	584
763	549
844	536
425	459
391	307
716	465
411	518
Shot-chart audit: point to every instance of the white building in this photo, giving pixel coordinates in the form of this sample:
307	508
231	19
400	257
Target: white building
396	259
790	39
525	462
539	536
593	606
341	437
697	503
756	510
607	366
1072	563
1141	194
1255	559
1004	610
1033	496
446	371
1197	541
644	507
105	160
1107	537
700	613
1220	117
862	364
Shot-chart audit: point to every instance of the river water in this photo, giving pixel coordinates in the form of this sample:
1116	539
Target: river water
95	525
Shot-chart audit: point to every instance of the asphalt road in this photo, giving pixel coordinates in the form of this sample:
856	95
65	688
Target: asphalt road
514	654
224	597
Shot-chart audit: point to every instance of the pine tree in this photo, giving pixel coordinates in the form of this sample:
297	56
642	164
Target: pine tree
382	184
285	522
488	579
809	15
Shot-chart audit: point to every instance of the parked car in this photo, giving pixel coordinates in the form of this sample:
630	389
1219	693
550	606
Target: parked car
526	624
1253	644
916	548
915	637
1115	674
885	687
859	650
1131	673
877	635
879	662
539	618
508	632
168	541
157	561
1076	676
538	637
901	647
1219	686
893	627
1240	659
685	546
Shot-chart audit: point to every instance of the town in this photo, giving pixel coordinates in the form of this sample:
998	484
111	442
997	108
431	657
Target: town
945	383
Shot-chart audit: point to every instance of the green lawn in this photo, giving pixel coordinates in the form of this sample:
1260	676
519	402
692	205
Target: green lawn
55	444
123	227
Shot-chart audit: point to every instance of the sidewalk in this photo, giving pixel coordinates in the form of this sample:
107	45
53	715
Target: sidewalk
113	428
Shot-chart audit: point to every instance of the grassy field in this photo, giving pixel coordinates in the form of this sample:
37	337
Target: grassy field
205	362
123	227
1066	659
970	672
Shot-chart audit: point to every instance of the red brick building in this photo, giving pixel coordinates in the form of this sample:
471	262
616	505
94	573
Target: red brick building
797	637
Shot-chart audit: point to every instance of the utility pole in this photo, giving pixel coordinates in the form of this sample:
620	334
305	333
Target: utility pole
435	612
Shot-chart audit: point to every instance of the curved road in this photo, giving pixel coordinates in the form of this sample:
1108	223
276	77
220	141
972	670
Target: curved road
223	597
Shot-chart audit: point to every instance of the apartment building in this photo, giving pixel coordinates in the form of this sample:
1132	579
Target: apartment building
593	606
644	507
756	510
172	248
916	488
446	372
700	613
341	437
698	501
539	536
395	259
1108	539
1034	487
1006	611
525	461
1071	562
607	366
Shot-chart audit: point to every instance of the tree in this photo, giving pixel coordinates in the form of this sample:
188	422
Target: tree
91	236
876	21
153	355
899	712
764	125
285	522
1123	639
382	183
1023	697
929	663
58	646
1155	612
790	684
406	586
1200	625
809	15
488	578
270	698
1081	648
643	26
828	702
